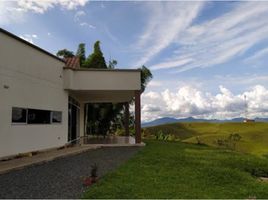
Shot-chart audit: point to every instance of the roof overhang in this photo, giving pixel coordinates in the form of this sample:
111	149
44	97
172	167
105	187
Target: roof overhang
102	85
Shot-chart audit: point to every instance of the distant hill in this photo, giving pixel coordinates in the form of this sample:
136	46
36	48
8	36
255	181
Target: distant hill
168	120
254	135
164	120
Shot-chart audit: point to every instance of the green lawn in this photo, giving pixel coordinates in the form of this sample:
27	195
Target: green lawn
254	135
179	170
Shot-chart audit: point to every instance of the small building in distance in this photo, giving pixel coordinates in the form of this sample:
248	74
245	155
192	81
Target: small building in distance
248	120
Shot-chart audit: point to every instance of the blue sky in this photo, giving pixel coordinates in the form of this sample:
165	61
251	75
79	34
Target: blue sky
205	56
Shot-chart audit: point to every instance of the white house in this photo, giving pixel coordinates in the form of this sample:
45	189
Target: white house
42	97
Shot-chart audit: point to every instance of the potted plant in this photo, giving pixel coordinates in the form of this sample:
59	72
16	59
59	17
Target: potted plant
94	170
93	176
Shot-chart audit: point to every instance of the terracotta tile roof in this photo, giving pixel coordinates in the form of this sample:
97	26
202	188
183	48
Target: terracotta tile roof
72	62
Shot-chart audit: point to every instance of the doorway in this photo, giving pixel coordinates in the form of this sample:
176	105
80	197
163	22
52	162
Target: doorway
73	120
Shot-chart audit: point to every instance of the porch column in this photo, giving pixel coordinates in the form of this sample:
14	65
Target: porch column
82	120
126	119
138	116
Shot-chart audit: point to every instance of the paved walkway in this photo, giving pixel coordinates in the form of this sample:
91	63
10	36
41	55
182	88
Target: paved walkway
6	166
42	157
62	177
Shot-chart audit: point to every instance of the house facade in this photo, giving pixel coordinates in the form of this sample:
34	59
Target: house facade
42	97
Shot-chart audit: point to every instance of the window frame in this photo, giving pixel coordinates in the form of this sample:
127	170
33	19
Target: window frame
19	123
27	113
51	117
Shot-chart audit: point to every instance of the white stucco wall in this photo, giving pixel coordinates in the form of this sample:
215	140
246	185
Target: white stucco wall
30	79
102	85
102	80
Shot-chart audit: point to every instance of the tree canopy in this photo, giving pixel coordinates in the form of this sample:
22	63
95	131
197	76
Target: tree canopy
96	59
146	76
65	53
81	53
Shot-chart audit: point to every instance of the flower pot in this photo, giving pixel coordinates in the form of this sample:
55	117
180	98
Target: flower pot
94	179
90	180
87	181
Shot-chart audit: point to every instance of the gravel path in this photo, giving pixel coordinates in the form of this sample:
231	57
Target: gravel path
63	177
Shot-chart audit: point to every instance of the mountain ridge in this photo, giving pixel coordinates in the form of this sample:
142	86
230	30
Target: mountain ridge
168	120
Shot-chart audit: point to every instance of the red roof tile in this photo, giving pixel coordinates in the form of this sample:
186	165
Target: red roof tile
72	62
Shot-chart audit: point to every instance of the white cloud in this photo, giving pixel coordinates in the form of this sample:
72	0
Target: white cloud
167	21
29	37
78	17
241	80
172	64
9	13
257	55
87	25
154	83
41	6
16	11
111	35
189	101
209	43
79	14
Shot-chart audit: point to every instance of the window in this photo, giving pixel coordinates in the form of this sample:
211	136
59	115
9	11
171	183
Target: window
56	117
35	116
19	115
38	116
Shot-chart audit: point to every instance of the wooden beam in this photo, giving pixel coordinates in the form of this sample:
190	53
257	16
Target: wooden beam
138	116
126	123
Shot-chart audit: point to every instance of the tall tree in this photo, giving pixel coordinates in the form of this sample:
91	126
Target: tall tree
65	53
146	77
81	53
96	59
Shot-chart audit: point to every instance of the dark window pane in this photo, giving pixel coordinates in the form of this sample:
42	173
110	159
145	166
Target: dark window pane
56	117
18	115
38	116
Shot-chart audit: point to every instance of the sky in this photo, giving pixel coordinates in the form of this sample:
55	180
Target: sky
208	58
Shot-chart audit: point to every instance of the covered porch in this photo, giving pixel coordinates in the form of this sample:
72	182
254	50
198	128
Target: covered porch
102	86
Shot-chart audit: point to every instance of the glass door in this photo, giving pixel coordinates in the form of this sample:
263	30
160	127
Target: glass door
73	120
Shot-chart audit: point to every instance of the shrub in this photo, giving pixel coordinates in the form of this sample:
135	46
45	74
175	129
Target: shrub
167	137
198	140
160	135
171	137
230	142
258	172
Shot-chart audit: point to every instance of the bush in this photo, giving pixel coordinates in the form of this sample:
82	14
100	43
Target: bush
160	135
230	142
198	140
258	172
167	137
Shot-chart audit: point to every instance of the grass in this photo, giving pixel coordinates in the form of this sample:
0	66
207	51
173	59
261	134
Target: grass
254	135
166	169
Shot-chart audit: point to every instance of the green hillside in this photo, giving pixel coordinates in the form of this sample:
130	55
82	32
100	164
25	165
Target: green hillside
176	170
254	136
